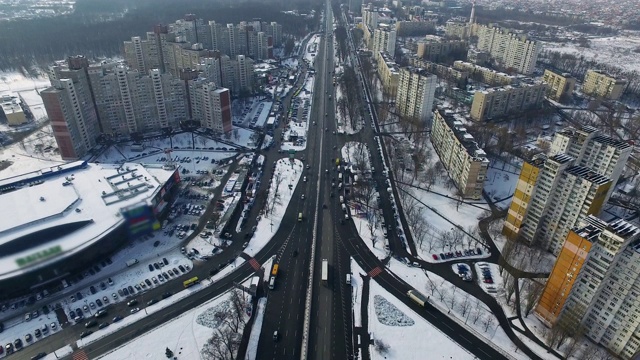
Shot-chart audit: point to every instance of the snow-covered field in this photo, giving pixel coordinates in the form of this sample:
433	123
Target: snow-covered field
615	51
405	334
186	336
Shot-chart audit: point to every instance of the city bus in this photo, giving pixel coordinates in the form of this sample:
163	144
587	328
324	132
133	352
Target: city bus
417	297
188	283
325	271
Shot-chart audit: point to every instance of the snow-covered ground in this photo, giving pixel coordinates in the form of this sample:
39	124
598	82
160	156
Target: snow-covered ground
356	292
615	51
295	133
405	334
462	308
256	329
186	336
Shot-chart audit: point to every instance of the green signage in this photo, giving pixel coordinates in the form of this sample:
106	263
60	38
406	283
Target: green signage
39	256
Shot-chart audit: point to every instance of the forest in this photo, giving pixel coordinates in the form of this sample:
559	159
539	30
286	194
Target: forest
97	28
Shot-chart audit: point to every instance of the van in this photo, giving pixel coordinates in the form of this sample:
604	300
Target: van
340	176
340	186
299	216
344	208
272	283
341	199
348	279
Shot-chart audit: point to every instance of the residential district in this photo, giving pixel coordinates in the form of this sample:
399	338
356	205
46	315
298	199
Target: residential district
406	179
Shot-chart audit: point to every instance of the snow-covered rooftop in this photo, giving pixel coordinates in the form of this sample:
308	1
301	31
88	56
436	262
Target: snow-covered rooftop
73	209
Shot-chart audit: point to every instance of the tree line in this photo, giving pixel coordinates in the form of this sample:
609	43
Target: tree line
98	29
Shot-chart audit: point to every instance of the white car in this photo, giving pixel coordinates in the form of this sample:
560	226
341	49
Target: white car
135	310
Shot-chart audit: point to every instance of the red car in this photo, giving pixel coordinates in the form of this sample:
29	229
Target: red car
435	257
488	281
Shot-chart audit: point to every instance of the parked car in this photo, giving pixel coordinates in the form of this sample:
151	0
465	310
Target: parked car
90	323
117	318
435	257
132	302
86	333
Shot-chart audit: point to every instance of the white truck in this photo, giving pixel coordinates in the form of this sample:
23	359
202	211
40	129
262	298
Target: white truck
132	262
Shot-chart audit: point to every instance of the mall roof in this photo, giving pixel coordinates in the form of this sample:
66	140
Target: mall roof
68	210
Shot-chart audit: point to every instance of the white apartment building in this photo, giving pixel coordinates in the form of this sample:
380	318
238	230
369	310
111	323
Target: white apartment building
210	105
604	155
384	40
415	94
514	51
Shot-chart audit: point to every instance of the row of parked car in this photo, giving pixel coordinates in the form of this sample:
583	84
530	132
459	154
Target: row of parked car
38	332
486	273
457	254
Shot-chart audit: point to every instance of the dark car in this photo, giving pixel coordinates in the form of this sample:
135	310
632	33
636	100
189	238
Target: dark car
100	313
175	271
78	295
103	285
18	344
125	291
131	291
85	334
39	356
156	243
148	282
150	267
151	302
1	327
165	275
90	323
213	271
167	294
181	268
117	318
155	265
79	313
166	262
37	333
103	325
133	302
478	251
98	302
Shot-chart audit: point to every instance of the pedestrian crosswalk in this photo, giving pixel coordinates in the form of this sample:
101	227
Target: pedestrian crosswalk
80	355
255	264
375	271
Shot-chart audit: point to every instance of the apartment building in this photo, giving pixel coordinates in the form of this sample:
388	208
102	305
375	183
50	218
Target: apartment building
388	72
211	105
181	44
460	155
12	110
595	284
483	74
415	94
600	84
128	101
456	29
530	215
512	50
70	107
414	27
507	100
384	39
434	48
605	155
560	85
370	16
442	71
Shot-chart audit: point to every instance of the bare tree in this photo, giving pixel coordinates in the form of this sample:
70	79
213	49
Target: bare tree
534	290
477	311
430	177
452	300
381	346
464	307
276	198
487	322
239	305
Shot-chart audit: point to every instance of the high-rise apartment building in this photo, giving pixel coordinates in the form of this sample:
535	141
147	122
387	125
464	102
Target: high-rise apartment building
595	285
554	194
460	155
243	73
415	94
370	16
414	27
384	39
455	29
434	48
483	74
388	72
560	85
507	100
599	83
70	106
210	104
513	50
